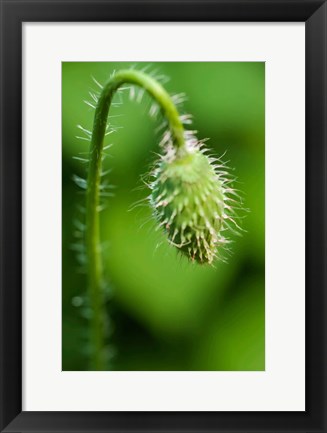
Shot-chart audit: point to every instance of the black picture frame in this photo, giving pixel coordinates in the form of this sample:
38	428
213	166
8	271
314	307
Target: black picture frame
13	14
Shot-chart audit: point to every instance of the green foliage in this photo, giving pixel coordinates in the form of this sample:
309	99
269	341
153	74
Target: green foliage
168	314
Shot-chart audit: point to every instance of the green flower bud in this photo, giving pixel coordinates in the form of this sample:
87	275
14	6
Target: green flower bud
189	199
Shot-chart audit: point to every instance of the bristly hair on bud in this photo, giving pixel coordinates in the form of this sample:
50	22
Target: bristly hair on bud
190	195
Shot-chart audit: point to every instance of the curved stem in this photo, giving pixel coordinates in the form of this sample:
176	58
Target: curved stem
93	186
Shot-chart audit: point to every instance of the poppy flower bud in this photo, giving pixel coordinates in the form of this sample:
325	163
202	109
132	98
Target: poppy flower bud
188	198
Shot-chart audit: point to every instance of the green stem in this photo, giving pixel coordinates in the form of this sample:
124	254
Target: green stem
95	278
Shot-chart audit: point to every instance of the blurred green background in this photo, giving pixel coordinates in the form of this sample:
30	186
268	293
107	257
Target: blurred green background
166	313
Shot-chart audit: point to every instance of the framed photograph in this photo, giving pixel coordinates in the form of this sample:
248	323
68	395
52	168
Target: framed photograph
163	216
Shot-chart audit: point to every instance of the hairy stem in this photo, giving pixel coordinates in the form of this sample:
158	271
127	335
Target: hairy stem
93	248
